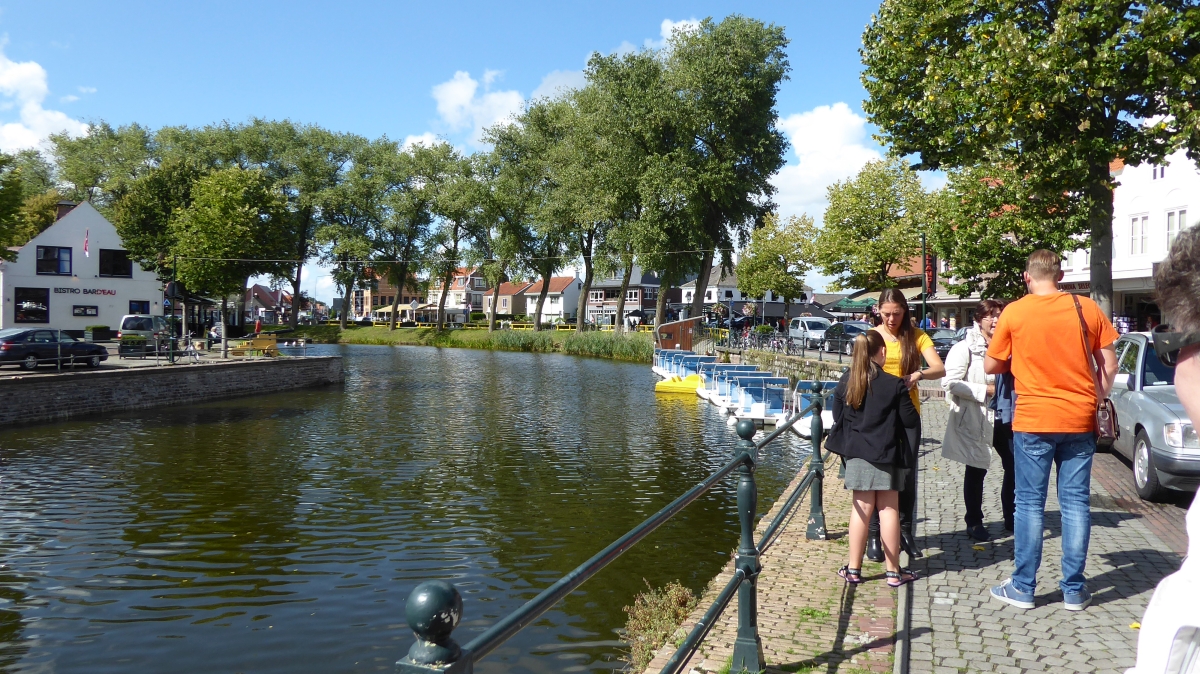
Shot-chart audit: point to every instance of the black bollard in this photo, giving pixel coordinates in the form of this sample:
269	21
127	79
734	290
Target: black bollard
433	611
747	649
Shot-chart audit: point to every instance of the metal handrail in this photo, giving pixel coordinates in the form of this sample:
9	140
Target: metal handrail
435	607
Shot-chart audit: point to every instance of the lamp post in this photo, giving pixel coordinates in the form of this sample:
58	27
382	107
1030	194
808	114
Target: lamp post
924	282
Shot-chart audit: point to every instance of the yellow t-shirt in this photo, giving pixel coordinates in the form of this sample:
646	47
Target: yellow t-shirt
892	364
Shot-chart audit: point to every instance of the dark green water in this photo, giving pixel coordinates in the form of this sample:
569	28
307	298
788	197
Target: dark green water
283	533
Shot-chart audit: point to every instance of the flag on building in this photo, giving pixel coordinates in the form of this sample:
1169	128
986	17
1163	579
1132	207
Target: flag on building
85	242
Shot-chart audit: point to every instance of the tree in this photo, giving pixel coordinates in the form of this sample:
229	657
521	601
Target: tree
142	214
457	203
725	77
873	222
776	260
1055	90
987	221
12	196
97	166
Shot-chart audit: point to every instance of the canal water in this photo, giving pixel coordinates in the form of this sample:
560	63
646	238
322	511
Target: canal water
283	533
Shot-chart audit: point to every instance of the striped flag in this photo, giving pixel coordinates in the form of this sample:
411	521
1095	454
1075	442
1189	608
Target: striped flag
85	242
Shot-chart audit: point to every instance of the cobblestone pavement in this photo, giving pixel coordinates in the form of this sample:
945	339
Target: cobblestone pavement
809	619
956	625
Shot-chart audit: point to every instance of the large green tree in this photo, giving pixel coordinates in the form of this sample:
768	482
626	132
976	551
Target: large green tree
776	259
1056	90
873	223
97	166
12	197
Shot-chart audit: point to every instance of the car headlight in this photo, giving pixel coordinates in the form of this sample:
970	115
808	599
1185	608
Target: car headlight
1181	435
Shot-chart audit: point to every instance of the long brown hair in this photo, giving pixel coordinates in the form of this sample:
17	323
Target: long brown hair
910	355
862	368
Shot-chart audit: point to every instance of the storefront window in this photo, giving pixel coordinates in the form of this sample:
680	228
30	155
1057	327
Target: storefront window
115	263
32	305
139	306
54	260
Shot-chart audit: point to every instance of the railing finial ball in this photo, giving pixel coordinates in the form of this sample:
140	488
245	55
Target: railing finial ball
746	429
433	611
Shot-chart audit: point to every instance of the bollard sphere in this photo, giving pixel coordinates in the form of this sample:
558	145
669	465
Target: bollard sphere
746	429
433	610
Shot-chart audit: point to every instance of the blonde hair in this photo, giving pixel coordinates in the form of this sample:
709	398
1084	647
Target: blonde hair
1043	265
862	368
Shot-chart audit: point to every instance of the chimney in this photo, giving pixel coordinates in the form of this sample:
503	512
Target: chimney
62	208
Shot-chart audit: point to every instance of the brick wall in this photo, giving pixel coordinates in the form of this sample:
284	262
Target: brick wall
42	398
796	368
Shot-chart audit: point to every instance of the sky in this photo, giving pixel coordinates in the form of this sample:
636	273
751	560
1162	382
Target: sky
410	71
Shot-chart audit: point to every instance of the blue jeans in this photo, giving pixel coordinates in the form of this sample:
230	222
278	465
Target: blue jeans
1033	454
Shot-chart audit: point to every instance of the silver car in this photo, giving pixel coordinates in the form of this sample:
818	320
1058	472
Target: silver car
1156	434
808	330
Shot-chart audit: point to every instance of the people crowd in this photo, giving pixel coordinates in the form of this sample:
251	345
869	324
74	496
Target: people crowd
1026	384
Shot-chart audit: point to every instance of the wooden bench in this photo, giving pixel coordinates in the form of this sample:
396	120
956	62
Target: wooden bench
256	346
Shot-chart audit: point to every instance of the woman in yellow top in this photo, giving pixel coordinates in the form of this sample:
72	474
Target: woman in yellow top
906	346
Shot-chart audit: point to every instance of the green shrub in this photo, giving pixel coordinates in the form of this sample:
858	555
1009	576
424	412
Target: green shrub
96	327
764	329
521	340
654	617
636	347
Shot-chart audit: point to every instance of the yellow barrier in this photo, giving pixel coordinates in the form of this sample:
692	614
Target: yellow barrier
644	328
522	326
565	327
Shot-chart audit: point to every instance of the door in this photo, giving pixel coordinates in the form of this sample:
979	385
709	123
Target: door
45	346
1123	394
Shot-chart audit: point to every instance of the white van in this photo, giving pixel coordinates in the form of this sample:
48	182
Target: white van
807	331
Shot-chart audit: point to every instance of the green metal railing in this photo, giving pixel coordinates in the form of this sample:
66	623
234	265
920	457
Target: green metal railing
435	607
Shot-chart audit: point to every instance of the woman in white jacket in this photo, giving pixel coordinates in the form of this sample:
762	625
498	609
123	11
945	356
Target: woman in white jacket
970	428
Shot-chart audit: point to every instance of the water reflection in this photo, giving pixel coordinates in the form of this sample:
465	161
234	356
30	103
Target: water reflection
283	533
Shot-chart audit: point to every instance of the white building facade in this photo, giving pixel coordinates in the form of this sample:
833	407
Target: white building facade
74	275
1151	205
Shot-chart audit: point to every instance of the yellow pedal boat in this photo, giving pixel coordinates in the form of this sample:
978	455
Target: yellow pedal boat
675	384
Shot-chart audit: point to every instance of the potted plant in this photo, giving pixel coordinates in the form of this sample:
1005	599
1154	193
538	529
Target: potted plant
97	333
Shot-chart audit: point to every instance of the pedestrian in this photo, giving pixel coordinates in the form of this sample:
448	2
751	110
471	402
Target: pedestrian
927	323
1171	625
1051	340
906	346
945	322
874	424
971	427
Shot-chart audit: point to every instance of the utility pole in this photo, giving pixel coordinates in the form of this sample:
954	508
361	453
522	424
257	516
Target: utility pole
174	301
924	282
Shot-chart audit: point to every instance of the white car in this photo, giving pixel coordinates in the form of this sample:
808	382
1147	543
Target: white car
808	331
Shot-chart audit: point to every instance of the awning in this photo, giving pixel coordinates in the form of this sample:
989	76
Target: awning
911	294
858	305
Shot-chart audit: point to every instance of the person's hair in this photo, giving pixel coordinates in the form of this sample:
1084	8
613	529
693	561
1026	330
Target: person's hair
986	308
1043	265
862	368
1177	283
910	355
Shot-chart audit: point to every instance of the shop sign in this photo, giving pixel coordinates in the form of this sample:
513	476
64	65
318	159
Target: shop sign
1079	287
85	291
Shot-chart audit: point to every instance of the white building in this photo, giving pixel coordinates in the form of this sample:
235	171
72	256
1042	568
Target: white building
562	300
1151	205
76	274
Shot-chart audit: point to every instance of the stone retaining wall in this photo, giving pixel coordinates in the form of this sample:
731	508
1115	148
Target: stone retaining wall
796	368
41	398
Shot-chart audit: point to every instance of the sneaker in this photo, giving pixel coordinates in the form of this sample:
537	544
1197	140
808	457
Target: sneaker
1009	594
979	533
1077	601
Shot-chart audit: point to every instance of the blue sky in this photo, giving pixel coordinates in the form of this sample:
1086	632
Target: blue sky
405	70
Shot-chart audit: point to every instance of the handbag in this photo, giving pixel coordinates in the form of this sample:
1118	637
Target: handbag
1107	430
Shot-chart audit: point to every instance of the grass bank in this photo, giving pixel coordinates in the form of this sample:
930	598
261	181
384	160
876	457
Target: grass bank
634	348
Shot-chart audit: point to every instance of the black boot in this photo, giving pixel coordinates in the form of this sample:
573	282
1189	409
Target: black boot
908	543
874	547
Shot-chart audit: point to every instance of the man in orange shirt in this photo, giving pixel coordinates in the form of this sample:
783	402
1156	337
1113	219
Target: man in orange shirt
1050	354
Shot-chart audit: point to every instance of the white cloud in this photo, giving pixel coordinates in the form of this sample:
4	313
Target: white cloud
668	28
87	90
69	98
558	82
23	87
830	143
427	139
462	106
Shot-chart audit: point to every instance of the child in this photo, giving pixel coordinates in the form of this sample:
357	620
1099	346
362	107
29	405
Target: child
875	429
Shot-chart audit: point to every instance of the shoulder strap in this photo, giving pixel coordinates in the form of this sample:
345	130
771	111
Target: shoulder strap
1088	357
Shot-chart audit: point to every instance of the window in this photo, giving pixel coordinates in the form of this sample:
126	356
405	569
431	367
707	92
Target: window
631	295
459	282
1157	172
728	294
32	305
139	306
478	283
596	295
1176	221
54	260
504	302
115	263
1137	234
85	311
1129	361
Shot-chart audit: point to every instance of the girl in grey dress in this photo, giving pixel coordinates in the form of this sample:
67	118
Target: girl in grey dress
875	422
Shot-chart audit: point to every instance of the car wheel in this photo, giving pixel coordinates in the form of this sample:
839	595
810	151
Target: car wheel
846	348
1145	477
93	361
30	362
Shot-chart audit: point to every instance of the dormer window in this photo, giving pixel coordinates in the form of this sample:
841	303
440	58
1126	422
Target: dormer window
1157	172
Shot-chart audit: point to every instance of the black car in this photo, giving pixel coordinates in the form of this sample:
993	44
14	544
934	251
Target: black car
30	347
840	336
943	340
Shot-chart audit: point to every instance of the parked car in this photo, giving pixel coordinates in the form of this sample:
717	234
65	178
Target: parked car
143	325
30	347
943	340
840	336
1156	434
807	330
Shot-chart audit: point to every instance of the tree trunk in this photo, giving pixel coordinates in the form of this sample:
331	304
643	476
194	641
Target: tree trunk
541	301
585	249
295	317
399	291
224	327
495	299
620	317
660	306
442	300
1100	218
702	284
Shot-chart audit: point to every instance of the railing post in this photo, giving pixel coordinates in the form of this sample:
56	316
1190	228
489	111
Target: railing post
433	611
816	514
747	649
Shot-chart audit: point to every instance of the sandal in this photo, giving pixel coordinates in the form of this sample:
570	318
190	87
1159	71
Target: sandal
901	577
852	576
